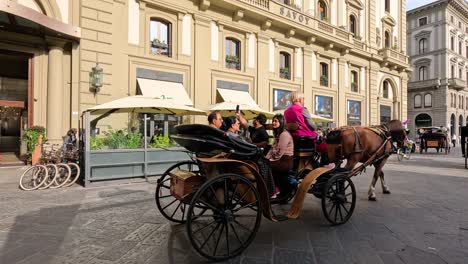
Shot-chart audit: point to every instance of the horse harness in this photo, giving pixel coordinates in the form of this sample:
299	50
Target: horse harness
382	131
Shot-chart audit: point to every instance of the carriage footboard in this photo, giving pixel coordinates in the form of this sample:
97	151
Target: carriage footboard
305	185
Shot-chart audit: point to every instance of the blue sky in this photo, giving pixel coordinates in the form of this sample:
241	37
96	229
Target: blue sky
411	4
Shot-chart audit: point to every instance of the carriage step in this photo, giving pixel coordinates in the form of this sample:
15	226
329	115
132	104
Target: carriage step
281	218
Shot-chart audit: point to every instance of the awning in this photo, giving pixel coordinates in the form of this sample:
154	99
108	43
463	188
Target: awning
141	104
234	96
15	17
164	90
247	104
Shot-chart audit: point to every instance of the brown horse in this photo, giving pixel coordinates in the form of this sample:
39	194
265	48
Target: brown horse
369	145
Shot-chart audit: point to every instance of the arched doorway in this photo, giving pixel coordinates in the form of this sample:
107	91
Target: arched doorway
423	120
388	101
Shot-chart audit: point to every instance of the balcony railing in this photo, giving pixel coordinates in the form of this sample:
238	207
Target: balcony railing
265	4
391	53
457	83
298	15
424	84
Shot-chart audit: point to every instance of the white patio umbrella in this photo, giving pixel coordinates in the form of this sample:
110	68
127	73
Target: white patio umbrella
320	119
248	111
142	104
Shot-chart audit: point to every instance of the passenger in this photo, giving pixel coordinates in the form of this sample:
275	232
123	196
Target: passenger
232	126
281	157
258	134
298	114
215	120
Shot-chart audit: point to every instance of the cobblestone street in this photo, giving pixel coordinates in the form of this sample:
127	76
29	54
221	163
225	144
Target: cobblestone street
424	220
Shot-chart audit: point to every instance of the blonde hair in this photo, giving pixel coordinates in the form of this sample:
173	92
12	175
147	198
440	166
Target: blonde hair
296	97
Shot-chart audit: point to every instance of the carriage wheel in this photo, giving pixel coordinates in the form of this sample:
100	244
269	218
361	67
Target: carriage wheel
339	199
232	218
170	207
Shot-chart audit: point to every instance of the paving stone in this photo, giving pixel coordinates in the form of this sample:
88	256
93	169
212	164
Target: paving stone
454	256
142	232
117	250
248	260
390	258
283	255
259	251
417	256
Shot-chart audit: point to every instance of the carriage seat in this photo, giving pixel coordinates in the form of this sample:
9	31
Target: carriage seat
205	139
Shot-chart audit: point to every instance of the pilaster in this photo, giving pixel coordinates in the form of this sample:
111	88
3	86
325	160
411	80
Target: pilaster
307	73
202	52
55	91
341	94
263	87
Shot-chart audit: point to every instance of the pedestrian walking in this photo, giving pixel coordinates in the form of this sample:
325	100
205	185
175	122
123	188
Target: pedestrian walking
454	139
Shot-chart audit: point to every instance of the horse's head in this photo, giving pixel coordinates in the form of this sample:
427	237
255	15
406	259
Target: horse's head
397	131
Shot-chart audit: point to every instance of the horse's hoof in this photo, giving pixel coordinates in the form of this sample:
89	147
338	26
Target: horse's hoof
386	192
372	198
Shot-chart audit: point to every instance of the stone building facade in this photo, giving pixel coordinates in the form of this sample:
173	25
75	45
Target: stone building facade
348	57
438	50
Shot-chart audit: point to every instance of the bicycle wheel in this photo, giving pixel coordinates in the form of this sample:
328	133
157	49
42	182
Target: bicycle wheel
51	174
74	175
408	153
400	154
64	173
33	177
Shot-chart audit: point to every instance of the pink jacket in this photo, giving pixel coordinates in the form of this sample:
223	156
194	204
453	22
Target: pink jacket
294	115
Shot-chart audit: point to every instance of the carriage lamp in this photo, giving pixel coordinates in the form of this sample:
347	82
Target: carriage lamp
96	77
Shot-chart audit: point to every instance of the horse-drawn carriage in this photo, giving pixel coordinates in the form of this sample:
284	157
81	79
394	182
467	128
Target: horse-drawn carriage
433	137
222	193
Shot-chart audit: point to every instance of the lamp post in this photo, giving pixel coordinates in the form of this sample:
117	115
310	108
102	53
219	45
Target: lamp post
96	77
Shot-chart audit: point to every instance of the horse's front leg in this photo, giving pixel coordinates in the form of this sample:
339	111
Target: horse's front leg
385	188
371	192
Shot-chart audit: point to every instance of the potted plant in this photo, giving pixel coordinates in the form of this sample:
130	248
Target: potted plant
156	43
232	59
324	80
284	72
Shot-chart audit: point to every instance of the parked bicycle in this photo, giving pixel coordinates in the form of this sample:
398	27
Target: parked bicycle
58	168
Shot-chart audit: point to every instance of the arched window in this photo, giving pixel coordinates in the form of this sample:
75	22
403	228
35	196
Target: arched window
387	5
352	25
354	81
422	73
323	74
322	9
423	120
285	65
160	37
385	89
428	100
417	101
422	46
233	54
387	39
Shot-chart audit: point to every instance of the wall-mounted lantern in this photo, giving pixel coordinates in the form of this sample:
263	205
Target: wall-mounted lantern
96	77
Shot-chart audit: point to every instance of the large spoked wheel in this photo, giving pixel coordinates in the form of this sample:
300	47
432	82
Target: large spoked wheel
339	199
33	177
170	207
231	220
